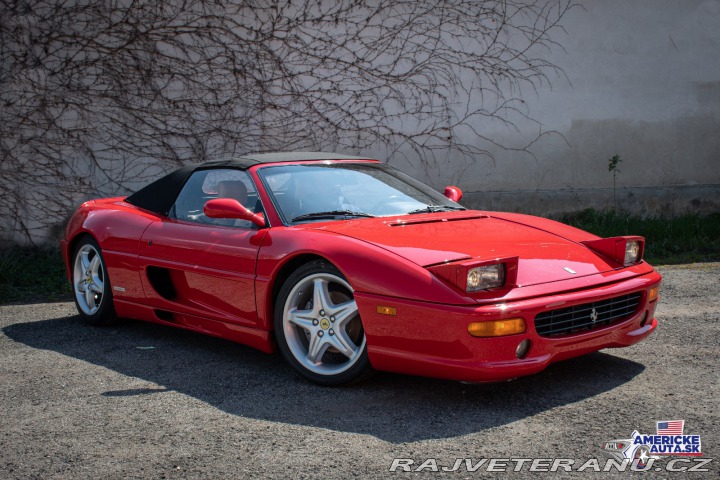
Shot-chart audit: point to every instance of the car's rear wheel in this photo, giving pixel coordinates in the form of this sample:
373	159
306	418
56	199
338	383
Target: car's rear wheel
91	285
318	326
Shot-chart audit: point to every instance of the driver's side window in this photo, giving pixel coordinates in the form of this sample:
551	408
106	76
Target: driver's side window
206	185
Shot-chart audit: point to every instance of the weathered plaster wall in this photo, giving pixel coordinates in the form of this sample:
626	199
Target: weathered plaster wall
643	82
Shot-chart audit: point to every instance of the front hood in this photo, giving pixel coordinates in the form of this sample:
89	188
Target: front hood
433	239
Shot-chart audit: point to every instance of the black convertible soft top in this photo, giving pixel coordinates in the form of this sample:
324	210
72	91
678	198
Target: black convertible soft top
159	196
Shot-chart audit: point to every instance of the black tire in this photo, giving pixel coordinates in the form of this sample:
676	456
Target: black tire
343	355
91	284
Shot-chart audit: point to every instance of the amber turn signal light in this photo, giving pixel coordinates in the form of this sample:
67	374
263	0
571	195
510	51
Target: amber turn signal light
653	294
497	328
386	310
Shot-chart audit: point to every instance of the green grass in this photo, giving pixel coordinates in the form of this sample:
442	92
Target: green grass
32	275
38	274
685	239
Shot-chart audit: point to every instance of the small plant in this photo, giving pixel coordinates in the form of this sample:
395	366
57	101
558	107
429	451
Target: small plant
613	167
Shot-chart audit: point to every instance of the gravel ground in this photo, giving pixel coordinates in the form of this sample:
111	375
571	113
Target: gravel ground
145	401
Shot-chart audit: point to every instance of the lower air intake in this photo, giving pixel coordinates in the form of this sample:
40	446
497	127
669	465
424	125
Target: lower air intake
588	316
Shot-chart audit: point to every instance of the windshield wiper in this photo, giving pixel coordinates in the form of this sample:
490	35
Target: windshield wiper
331	214
435	208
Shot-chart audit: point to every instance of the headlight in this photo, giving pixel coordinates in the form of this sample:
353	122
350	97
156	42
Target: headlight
632	252
488	276
626	250
479	276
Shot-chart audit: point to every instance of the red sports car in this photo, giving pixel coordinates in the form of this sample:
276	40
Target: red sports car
347	265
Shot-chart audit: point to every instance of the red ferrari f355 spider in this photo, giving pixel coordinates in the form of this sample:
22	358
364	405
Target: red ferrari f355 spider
346	265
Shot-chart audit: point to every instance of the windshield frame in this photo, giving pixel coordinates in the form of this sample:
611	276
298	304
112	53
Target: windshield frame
436	197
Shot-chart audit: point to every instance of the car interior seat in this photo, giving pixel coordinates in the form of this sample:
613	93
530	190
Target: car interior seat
233	189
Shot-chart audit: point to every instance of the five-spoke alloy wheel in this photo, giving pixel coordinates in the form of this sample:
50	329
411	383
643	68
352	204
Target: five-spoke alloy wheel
318	326
91	284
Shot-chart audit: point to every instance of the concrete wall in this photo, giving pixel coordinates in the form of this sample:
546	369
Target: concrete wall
643	82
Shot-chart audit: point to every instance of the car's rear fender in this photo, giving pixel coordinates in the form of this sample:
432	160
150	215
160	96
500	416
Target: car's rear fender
117	227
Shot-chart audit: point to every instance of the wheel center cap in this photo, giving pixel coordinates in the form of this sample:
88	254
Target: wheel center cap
324	323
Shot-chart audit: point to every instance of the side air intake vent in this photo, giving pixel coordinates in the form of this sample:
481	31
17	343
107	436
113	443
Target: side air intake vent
161	282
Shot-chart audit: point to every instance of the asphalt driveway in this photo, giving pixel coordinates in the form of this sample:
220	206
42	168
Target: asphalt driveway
145	401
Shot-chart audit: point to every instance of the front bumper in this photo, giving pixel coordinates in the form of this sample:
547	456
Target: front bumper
432	339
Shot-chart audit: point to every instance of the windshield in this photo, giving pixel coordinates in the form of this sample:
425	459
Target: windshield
347	190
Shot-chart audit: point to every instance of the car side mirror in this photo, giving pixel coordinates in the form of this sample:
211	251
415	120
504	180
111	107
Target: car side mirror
231	208
453	193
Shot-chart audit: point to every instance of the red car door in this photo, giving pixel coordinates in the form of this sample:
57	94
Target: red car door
204	267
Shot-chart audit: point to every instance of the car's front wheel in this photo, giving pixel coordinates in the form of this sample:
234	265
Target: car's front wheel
91	284
318	326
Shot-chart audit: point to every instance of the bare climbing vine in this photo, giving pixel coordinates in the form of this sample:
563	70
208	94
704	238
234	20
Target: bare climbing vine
99	96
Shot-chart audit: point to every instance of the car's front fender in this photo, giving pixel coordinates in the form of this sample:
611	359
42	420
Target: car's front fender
368	268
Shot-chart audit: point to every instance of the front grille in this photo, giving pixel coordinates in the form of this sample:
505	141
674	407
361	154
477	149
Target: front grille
580	318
